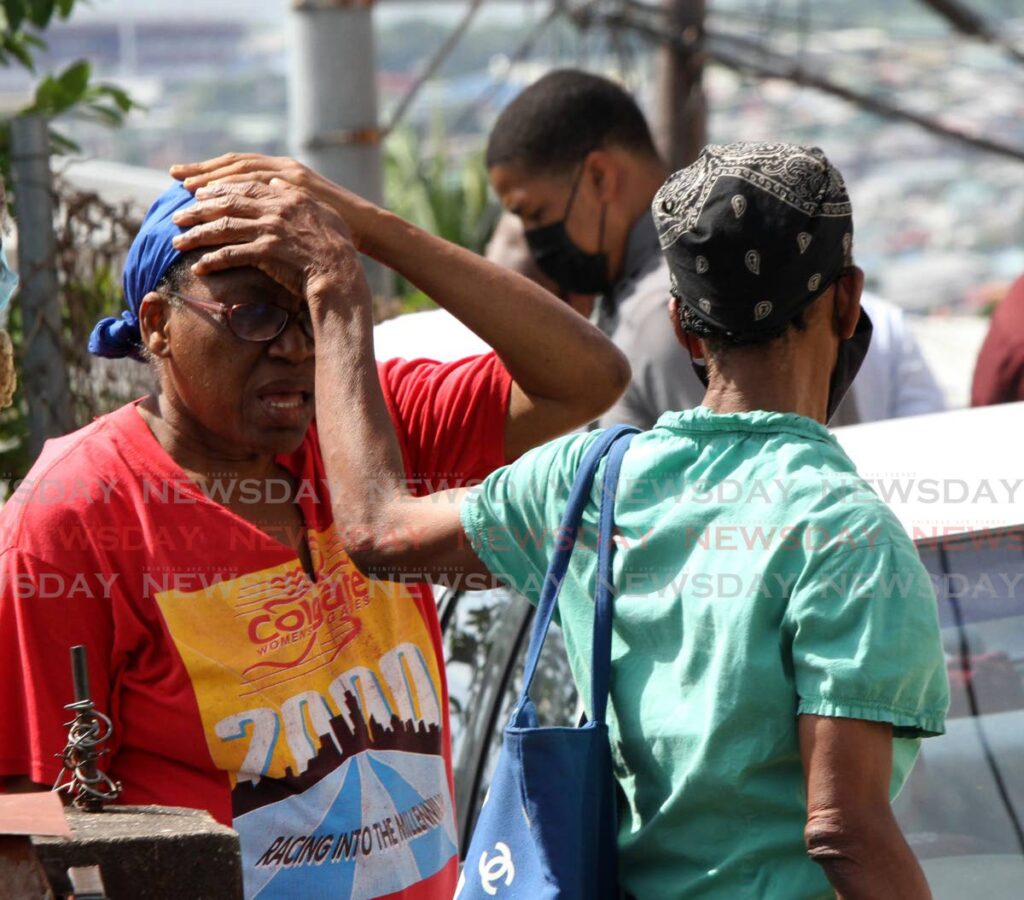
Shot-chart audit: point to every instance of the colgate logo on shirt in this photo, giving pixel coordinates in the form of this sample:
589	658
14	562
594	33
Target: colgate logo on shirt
309	615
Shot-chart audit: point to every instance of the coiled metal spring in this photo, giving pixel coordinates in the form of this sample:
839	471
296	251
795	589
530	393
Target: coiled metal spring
81	778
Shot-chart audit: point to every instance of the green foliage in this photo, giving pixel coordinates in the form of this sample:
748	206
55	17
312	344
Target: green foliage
17	44
85	264
429	190
446	199
69	92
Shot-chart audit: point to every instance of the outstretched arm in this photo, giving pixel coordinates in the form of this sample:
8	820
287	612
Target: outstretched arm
387	531
565	372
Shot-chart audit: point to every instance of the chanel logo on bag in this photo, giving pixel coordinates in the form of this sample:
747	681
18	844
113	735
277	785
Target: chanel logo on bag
499	867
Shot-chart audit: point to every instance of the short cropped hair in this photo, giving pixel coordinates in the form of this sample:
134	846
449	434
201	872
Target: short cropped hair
179	274
553	124
718	342
177	277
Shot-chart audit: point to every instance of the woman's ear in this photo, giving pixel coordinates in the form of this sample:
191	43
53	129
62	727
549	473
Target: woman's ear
850	288
691	343
155	325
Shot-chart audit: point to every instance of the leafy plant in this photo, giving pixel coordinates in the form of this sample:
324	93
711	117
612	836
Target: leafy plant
68	92
91	235
432	191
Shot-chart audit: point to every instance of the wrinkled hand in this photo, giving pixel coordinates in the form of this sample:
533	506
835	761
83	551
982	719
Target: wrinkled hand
241	168
280	229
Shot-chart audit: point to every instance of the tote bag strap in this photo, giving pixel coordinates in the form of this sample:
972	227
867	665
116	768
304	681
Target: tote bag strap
565	541
604	598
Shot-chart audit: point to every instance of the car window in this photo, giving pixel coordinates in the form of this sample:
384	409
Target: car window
486	634
554	695
965	796
476	629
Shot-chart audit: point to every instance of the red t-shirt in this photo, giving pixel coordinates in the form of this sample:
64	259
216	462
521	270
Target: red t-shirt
312	716
999	371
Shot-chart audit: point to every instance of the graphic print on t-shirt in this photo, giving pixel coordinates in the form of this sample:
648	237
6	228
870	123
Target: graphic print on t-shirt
322	700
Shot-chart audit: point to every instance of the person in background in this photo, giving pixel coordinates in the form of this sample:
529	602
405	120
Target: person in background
508	247
188	541
999	371
438	334
572	156
775	656
895	379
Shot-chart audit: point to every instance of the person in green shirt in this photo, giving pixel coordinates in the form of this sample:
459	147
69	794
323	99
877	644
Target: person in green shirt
776	655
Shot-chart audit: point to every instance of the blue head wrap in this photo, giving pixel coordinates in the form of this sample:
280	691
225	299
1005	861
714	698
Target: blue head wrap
149	258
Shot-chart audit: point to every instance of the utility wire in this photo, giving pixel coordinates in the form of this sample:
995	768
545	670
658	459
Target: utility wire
730	51
753	58
492	89
436	61
558	8
525	46
803	29
967	21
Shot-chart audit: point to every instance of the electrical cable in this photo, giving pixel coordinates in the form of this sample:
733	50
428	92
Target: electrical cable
750	57
434	63
965	20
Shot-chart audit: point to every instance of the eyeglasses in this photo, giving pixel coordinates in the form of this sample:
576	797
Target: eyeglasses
258	322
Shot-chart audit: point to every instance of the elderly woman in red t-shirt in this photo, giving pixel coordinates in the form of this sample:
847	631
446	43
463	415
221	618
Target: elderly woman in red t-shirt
188	538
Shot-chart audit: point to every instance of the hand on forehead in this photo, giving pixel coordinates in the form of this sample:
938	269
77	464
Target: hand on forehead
282	230
242	284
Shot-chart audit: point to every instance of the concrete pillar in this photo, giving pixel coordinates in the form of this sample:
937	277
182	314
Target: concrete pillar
43	368
332	98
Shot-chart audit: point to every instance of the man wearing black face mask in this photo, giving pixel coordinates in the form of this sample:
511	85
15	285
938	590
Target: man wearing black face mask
573	157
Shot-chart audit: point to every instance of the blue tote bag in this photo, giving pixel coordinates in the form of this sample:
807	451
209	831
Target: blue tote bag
548	827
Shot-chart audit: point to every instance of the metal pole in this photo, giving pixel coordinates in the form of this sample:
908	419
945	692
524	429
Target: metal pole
332	98
681	124
44	369
80	679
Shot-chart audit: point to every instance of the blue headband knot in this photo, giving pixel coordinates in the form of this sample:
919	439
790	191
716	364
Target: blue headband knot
149	258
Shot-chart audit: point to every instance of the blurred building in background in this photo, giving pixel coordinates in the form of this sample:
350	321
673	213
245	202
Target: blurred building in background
940	227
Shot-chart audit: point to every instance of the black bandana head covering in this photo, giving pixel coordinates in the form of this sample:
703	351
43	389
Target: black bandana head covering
752	233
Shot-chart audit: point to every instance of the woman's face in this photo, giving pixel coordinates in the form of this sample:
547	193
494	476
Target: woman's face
242	397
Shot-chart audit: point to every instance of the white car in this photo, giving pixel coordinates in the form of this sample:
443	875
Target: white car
956	482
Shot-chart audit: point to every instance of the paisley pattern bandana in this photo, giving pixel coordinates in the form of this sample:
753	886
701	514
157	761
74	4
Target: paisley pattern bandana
753	232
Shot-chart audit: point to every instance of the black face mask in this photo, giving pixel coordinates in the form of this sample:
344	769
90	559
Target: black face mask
848	362
562	261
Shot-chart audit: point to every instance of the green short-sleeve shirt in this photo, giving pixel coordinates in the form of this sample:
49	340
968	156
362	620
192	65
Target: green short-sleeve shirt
757	577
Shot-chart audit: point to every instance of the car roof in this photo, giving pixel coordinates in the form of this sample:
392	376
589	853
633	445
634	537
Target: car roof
945	473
